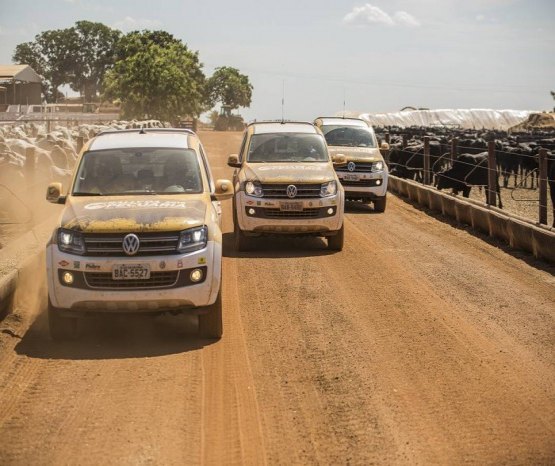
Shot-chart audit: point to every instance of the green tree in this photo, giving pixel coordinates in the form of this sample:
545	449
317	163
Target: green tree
49	55
135	41
229	87
156	80
95	46
78	56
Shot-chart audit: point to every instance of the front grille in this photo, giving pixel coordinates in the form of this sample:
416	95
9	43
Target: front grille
280	190
307	213
361	183
97	244
359	167
104	281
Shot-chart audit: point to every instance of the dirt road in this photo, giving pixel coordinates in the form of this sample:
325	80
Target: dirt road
419	343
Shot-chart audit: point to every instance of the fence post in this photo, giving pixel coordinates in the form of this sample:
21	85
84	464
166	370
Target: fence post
454	143
47	126
542	181
404	140
80	142
426	159
492	172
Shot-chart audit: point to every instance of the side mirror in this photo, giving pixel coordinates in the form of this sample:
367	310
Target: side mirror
339	159
224	190
384	146
54	193
233	161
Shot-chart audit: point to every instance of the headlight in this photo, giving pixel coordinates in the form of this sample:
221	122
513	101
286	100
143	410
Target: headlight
378	166
71	241
193	239
253	188
328	189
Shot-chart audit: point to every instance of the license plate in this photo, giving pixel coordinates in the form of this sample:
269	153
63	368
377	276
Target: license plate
351	177
291	206
131	272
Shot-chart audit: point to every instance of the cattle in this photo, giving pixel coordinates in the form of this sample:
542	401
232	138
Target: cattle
468	170
408	162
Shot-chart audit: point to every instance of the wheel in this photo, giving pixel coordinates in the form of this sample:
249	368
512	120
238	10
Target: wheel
61	328
241	240
210	325
379	204
335	243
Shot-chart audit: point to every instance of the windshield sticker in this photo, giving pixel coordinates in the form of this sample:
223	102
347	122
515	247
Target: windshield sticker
136	205
322	165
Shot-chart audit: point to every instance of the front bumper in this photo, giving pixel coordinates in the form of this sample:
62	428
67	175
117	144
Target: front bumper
94	291
318	216
369	184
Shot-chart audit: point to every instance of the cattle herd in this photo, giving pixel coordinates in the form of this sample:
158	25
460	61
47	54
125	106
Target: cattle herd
517	158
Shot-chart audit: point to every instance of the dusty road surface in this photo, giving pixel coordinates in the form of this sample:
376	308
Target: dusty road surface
419	343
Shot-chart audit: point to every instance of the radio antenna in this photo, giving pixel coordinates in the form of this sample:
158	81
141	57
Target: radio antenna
283	102
344	98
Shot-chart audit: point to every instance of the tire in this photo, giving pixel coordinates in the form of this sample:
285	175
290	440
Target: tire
240	239
210	325
335	243
379	204
61	328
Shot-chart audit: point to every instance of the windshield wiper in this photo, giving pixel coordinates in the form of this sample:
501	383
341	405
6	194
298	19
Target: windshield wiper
87	194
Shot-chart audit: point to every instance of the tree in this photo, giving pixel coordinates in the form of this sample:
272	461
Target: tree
78	56
553	95
136	41
156	80
229	87
49	55
95	45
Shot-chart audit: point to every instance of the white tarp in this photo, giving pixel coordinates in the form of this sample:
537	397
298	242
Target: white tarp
470	118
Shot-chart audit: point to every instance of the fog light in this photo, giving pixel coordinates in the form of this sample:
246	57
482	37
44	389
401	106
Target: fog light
330	211
252	211
67	277
196	275
378	182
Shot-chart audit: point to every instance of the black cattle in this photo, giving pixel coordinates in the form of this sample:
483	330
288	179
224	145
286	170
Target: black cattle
468	170
408	162
509	162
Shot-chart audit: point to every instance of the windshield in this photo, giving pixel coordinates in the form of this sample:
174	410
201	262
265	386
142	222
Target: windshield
287	147
138	171
349	136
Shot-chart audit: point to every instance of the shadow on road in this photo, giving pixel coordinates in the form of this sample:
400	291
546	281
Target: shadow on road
277	247
115	337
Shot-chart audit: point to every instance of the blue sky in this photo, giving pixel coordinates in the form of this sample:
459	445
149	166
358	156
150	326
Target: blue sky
382	55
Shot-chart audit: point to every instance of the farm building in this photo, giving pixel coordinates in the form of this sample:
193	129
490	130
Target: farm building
19	85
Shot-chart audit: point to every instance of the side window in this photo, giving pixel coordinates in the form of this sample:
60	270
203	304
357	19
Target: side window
207	169
242	147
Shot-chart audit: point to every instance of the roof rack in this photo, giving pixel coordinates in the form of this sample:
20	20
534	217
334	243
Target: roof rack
339	118
272	122
147	130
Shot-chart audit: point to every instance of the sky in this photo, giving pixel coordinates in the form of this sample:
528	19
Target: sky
323	55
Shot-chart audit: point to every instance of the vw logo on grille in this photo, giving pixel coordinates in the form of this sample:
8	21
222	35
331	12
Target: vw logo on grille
131	244
291	191
351	166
